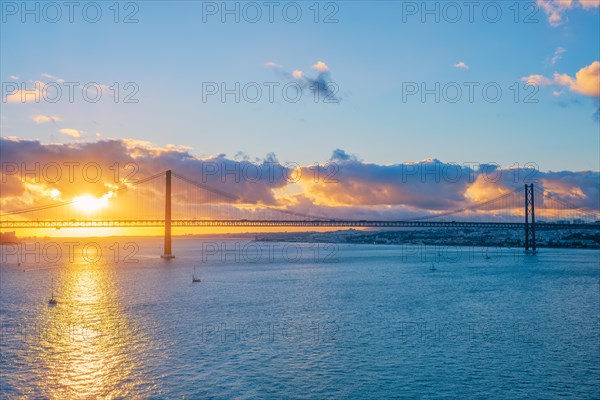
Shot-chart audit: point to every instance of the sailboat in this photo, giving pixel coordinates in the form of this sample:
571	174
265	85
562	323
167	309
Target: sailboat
52	301
194	277
432	268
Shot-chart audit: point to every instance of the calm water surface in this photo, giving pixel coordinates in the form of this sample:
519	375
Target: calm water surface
298	321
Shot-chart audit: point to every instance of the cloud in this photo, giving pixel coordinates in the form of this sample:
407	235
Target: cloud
14	77
321	84
555	9
432	184
341	155
536	80
461	65
321	67
355	183
345	187
52	77
43	119
586	80
26	94
587	4
557	55
74	133
254	183
271	64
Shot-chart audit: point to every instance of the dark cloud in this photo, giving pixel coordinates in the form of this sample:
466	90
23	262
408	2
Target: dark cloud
437	186
341	155
321	86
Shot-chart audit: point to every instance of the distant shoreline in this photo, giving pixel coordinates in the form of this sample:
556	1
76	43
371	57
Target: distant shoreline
576	239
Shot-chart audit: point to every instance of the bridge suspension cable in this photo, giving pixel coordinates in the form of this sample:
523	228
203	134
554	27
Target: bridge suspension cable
476	206
143	200
120	188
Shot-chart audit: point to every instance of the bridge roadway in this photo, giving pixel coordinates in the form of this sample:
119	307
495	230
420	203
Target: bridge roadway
286	223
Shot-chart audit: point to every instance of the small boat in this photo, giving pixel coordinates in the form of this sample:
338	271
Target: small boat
432	268
52	301
194	277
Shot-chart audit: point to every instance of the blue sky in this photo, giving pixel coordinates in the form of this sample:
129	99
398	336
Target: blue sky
372	53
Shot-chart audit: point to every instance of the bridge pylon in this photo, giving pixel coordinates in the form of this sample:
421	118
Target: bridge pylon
168	252
530	244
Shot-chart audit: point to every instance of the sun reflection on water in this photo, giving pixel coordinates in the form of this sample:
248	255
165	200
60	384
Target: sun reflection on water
89	347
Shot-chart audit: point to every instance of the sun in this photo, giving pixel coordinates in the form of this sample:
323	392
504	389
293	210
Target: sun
89	203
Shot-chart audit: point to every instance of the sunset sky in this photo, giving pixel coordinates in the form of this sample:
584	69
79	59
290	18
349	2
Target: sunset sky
370	124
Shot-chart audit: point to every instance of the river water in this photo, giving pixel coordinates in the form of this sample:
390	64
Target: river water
277	320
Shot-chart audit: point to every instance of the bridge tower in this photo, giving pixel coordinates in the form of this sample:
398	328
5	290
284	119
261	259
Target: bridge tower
168	253
530	245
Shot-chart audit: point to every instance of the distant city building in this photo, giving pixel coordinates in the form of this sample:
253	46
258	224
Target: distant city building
8	237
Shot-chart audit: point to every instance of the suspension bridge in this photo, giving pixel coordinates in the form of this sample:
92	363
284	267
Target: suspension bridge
184	202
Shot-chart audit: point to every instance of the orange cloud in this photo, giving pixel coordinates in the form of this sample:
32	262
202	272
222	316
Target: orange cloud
43	119
74	133
586	80
26	94
483	190
555	9
320	66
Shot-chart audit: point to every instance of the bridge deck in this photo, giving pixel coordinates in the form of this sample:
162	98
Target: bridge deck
290	223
